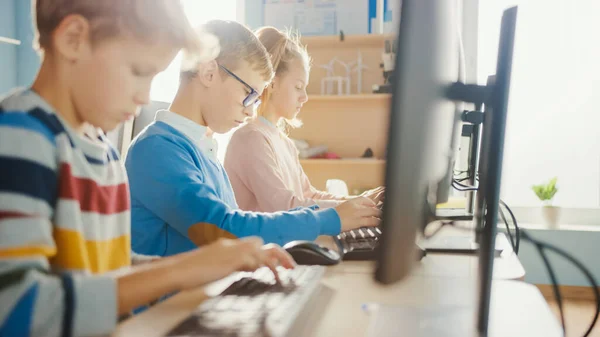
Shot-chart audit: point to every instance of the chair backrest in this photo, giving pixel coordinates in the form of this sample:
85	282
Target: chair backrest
122	136
147	116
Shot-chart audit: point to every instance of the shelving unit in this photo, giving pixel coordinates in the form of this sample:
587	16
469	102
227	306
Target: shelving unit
354	41
353	97
347	124
357	173
9	40
344	161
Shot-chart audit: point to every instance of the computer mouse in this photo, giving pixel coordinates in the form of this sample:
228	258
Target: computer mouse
310	253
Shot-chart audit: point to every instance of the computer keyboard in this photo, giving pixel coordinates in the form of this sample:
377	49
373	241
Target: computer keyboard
255	305
359	244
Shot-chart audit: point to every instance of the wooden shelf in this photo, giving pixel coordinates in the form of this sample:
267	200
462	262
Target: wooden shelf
9	40
347	124
355	97
354	41
350	161
358	173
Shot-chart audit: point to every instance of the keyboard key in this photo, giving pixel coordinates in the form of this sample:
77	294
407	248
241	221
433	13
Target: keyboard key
255	305
274	301
361	233
224	303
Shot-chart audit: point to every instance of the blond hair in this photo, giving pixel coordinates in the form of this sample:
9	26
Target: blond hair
144	19
236	43
284	48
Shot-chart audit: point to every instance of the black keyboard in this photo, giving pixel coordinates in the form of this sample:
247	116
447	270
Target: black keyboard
359	244
255	305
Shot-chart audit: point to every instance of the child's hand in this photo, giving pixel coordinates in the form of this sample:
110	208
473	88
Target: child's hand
219	259
376	194
358	212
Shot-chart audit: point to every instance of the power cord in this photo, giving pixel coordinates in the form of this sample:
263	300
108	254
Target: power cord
508	231
515	224
514	241
461	187
542	247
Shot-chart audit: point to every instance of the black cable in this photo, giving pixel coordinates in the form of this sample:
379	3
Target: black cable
555	287
580	266
508	231
517	229
463	188
588	275
463	185
541	246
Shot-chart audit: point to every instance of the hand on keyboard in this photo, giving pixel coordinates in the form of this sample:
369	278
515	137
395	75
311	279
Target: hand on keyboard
219	259
376	194
358	212
255	306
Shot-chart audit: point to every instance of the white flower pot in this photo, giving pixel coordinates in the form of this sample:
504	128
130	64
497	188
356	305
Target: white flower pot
551	215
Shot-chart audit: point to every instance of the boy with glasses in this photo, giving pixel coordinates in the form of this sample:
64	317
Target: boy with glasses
181	196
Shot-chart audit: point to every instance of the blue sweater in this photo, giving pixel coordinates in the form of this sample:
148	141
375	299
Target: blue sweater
175	185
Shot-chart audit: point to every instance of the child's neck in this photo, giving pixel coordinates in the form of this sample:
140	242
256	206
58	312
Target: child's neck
271	115
54	91
187	103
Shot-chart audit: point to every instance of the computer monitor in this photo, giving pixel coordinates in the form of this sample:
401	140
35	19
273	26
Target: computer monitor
421	117
421	128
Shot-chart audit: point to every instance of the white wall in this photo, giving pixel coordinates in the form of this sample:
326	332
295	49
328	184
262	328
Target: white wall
553	111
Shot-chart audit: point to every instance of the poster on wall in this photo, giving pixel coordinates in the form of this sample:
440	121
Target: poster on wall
318	17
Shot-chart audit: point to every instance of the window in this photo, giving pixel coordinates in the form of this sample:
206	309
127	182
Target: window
553	119
165	84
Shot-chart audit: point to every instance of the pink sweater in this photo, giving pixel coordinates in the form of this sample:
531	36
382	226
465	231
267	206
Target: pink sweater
266	175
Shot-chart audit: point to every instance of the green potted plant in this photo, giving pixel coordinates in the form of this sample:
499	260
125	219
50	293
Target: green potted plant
546	192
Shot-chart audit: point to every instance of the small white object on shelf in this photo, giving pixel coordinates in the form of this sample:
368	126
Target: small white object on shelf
9	40
358	66
343	82
337	186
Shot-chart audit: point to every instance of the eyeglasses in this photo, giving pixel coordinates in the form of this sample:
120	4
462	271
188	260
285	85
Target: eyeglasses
253	97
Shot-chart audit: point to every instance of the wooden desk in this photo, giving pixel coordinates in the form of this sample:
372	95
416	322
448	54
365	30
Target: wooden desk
343	294
513	304
506	267
438	280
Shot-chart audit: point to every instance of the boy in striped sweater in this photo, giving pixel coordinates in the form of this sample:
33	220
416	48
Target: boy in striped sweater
64	196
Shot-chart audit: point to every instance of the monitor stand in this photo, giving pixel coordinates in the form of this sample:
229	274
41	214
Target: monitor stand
453	214
466	245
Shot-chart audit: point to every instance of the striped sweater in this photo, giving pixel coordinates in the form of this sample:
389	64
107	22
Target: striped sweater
64	220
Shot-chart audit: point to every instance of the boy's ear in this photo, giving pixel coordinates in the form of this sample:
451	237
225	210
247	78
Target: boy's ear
208	73
71	39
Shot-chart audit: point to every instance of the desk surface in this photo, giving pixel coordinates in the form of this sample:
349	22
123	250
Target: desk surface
438	280
513	304
506	267
344	293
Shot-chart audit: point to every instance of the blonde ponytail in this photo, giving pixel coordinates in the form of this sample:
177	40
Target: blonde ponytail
283	47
